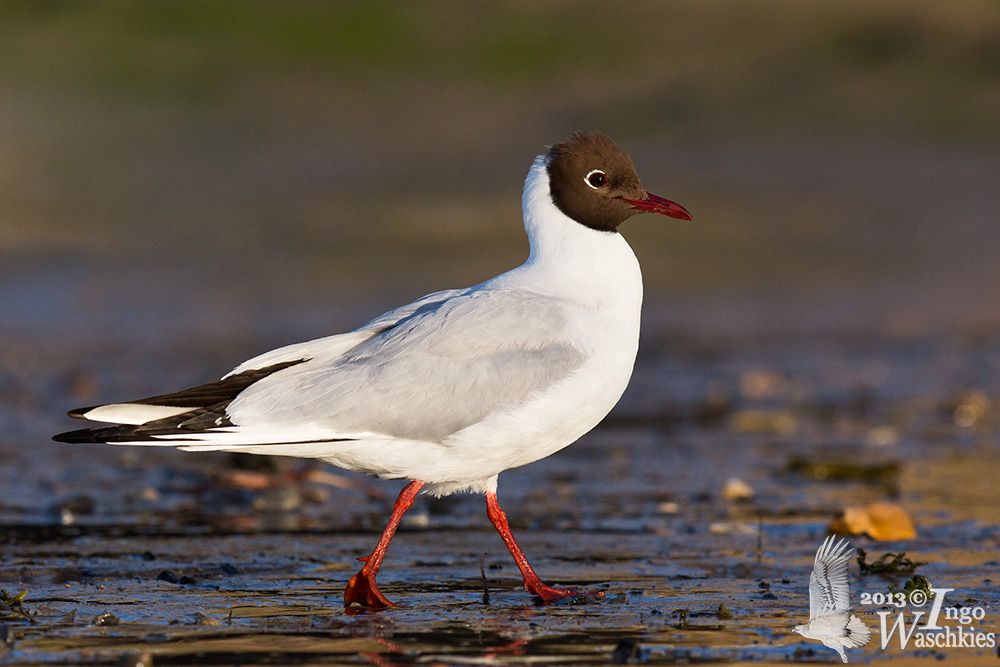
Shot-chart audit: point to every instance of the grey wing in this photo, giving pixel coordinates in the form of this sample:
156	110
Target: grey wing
443	367
829	592
423	304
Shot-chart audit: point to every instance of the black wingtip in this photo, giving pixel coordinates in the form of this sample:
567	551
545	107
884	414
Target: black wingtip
104	435
83	435
101	434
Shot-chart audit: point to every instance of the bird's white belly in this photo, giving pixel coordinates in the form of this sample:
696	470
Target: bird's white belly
547	422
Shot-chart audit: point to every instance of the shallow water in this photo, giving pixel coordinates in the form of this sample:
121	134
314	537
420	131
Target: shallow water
204	560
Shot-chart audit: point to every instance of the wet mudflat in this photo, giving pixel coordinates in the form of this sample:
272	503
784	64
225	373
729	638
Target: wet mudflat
211	559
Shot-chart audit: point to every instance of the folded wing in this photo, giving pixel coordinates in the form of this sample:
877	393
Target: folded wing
443	368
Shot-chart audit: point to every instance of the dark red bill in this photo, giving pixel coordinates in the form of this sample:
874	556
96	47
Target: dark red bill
654	204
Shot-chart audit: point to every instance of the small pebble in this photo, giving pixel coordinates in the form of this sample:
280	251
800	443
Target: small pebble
107	618
736	489
668	507
168	577
204	619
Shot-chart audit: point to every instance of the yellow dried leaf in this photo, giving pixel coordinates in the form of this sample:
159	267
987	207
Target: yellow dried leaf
879	521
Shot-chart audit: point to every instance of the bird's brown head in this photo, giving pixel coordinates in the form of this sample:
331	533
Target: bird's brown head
594	182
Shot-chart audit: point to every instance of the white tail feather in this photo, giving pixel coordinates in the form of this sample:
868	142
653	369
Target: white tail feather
131	413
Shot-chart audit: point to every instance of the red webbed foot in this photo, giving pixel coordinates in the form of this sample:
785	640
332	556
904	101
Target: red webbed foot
363	591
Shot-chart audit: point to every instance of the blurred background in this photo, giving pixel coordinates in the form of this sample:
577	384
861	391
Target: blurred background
186	184
260	172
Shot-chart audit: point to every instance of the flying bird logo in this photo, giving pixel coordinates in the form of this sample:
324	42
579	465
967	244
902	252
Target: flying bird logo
830	620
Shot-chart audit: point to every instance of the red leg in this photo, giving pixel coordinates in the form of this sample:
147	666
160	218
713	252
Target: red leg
532	583
361	589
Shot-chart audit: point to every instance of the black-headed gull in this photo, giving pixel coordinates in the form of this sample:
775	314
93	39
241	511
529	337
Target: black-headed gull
456	387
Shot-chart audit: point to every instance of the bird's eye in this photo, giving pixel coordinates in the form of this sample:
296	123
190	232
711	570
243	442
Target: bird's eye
596	179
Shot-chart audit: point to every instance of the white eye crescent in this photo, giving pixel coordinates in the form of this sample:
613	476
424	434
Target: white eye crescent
595	179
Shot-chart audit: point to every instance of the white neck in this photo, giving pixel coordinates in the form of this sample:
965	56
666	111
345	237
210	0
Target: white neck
595	268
